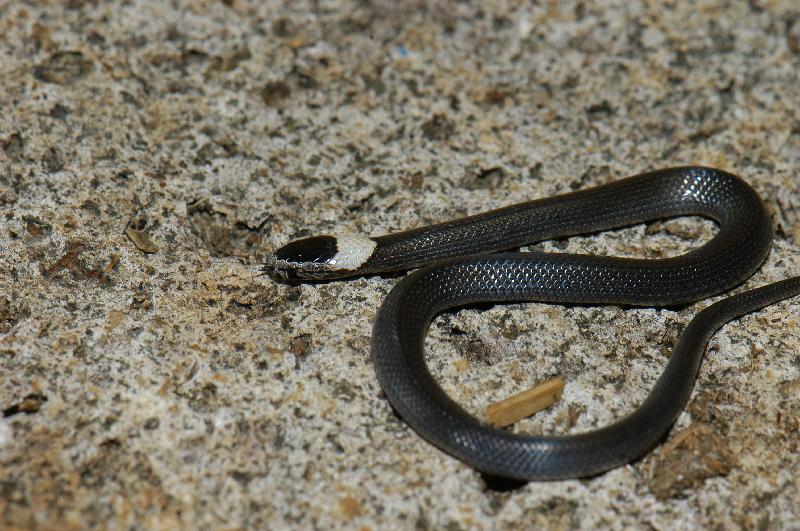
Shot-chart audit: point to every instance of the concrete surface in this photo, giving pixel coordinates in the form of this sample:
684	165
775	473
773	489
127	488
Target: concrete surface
152	153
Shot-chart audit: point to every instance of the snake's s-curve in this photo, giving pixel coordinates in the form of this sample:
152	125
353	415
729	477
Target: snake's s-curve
465	267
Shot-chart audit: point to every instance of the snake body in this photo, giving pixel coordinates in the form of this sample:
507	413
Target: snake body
465	268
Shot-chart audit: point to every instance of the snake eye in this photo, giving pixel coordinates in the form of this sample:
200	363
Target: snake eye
314	250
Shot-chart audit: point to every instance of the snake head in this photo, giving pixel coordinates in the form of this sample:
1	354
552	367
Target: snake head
320	257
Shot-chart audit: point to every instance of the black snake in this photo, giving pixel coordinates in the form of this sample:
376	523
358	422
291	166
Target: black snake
463	265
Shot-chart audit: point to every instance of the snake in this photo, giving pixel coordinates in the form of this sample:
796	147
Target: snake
477	259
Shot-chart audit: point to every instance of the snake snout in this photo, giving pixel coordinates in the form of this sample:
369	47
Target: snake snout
314	250
302	259
321	257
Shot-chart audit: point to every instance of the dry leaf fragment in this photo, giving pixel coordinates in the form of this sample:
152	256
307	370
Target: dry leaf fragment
141	240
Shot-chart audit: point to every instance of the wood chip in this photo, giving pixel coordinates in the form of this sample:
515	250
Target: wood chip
141	240
525	404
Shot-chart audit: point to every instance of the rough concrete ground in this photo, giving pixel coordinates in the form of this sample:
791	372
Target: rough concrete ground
152	153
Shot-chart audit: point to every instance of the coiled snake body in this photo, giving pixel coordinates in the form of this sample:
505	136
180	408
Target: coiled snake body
465	268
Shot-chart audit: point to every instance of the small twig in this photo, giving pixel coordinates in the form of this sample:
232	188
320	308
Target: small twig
525	404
